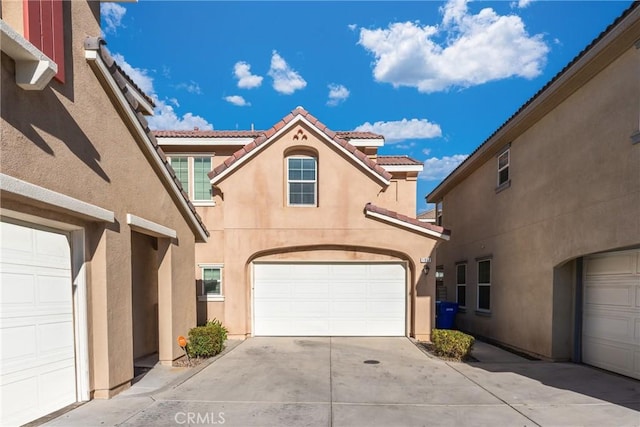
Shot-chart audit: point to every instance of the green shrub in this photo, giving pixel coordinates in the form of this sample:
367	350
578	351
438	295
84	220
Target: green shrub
453	344
207	340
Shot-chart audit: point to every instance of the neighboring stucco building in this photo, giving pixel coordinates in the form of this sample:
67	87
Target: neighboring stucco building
312	233
97	237
545	215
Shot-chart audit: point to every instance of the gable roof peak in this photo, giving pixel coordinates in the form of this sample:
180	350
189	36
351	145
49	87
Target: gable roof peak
294	116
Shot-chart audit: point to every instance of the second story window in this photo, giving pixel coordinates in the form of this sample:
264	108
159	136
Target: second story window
503	168
201	183
181	167
302	182
439	213
193	175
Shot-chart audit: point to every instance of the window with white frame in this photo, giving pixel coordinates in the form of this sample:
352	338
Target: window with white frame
193	173
484	285
211	288
503	168
461	285
302	181
439	213
181	167
201	183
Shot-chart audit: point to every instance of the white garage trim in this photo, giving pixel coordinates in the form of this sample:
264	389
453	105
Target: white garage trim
36	193
306	298
611	312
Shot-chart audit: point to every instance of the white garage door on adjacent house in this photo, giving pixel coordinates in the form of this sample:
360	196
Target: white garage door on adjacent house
611	312
329	299
36	324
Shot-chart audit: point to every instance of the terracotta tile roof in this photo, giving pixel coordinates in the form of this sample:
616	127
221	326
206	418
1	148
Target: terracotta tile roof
124	75
299	111
634	5
397	161
207	133
358	135
406	219
248	134
98	44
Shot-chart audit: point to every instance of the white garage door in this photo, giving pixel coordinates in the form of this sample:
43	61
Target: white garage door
318	299
36	324
611	322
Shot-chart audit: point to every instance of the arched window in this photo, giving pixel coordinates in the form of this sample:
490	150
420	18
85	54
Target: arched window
302	180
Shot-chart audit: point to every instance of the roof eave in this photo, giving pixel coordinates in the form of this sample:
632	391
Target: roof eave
95	59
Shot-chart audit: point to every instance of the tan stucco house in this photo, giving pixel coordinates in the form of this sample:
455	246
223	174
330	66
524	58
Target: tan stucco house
544	255
97	236
312	232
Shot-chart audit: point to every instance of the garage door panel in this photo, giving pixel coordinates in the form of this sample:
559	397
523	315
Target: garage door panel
609	355
18	342
387	271
303	289
354	290
303	309
346	299
620	295
17	288
605	324
611	312
55	337
349	309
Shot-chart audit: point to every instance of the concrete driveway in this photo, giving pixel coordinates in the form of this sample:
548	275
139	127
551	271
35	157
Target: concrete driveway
337	382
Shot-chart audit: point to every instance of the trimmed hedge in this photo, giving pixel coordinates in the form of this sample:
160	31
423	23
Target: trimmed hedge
207	340
453	344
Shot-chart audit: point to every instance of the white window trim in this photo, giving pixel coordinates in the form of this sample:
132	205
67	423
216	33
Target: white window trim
461	284
483	310
315	182
215	298
500	169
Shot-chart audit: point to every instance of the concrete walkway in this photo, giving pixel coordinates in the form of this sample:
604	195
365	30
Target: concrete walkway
370	382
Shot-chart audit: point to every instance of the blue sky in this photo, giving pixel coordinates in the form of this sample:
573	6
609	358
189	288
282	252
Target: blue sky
436	78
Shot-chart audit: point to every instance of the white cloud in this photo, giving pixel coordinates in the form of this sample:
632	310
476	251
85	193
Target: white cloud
402	129
477	49
436	169
426	151
237	101
191	87
521	4
285	79
165	117
337	94
111	15
140	76
246	80
352	27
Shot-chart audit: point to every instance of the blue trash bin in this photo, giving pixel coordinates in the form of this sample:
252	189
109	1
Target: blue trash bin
446	314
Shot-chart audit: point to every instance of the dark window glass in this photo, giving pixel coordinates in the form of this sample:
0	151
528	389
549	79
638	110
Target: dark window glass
462	296
484	297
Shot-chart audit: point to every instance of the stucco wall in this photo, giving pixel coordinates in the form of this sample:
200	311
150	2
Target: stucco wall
70	139
575	190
